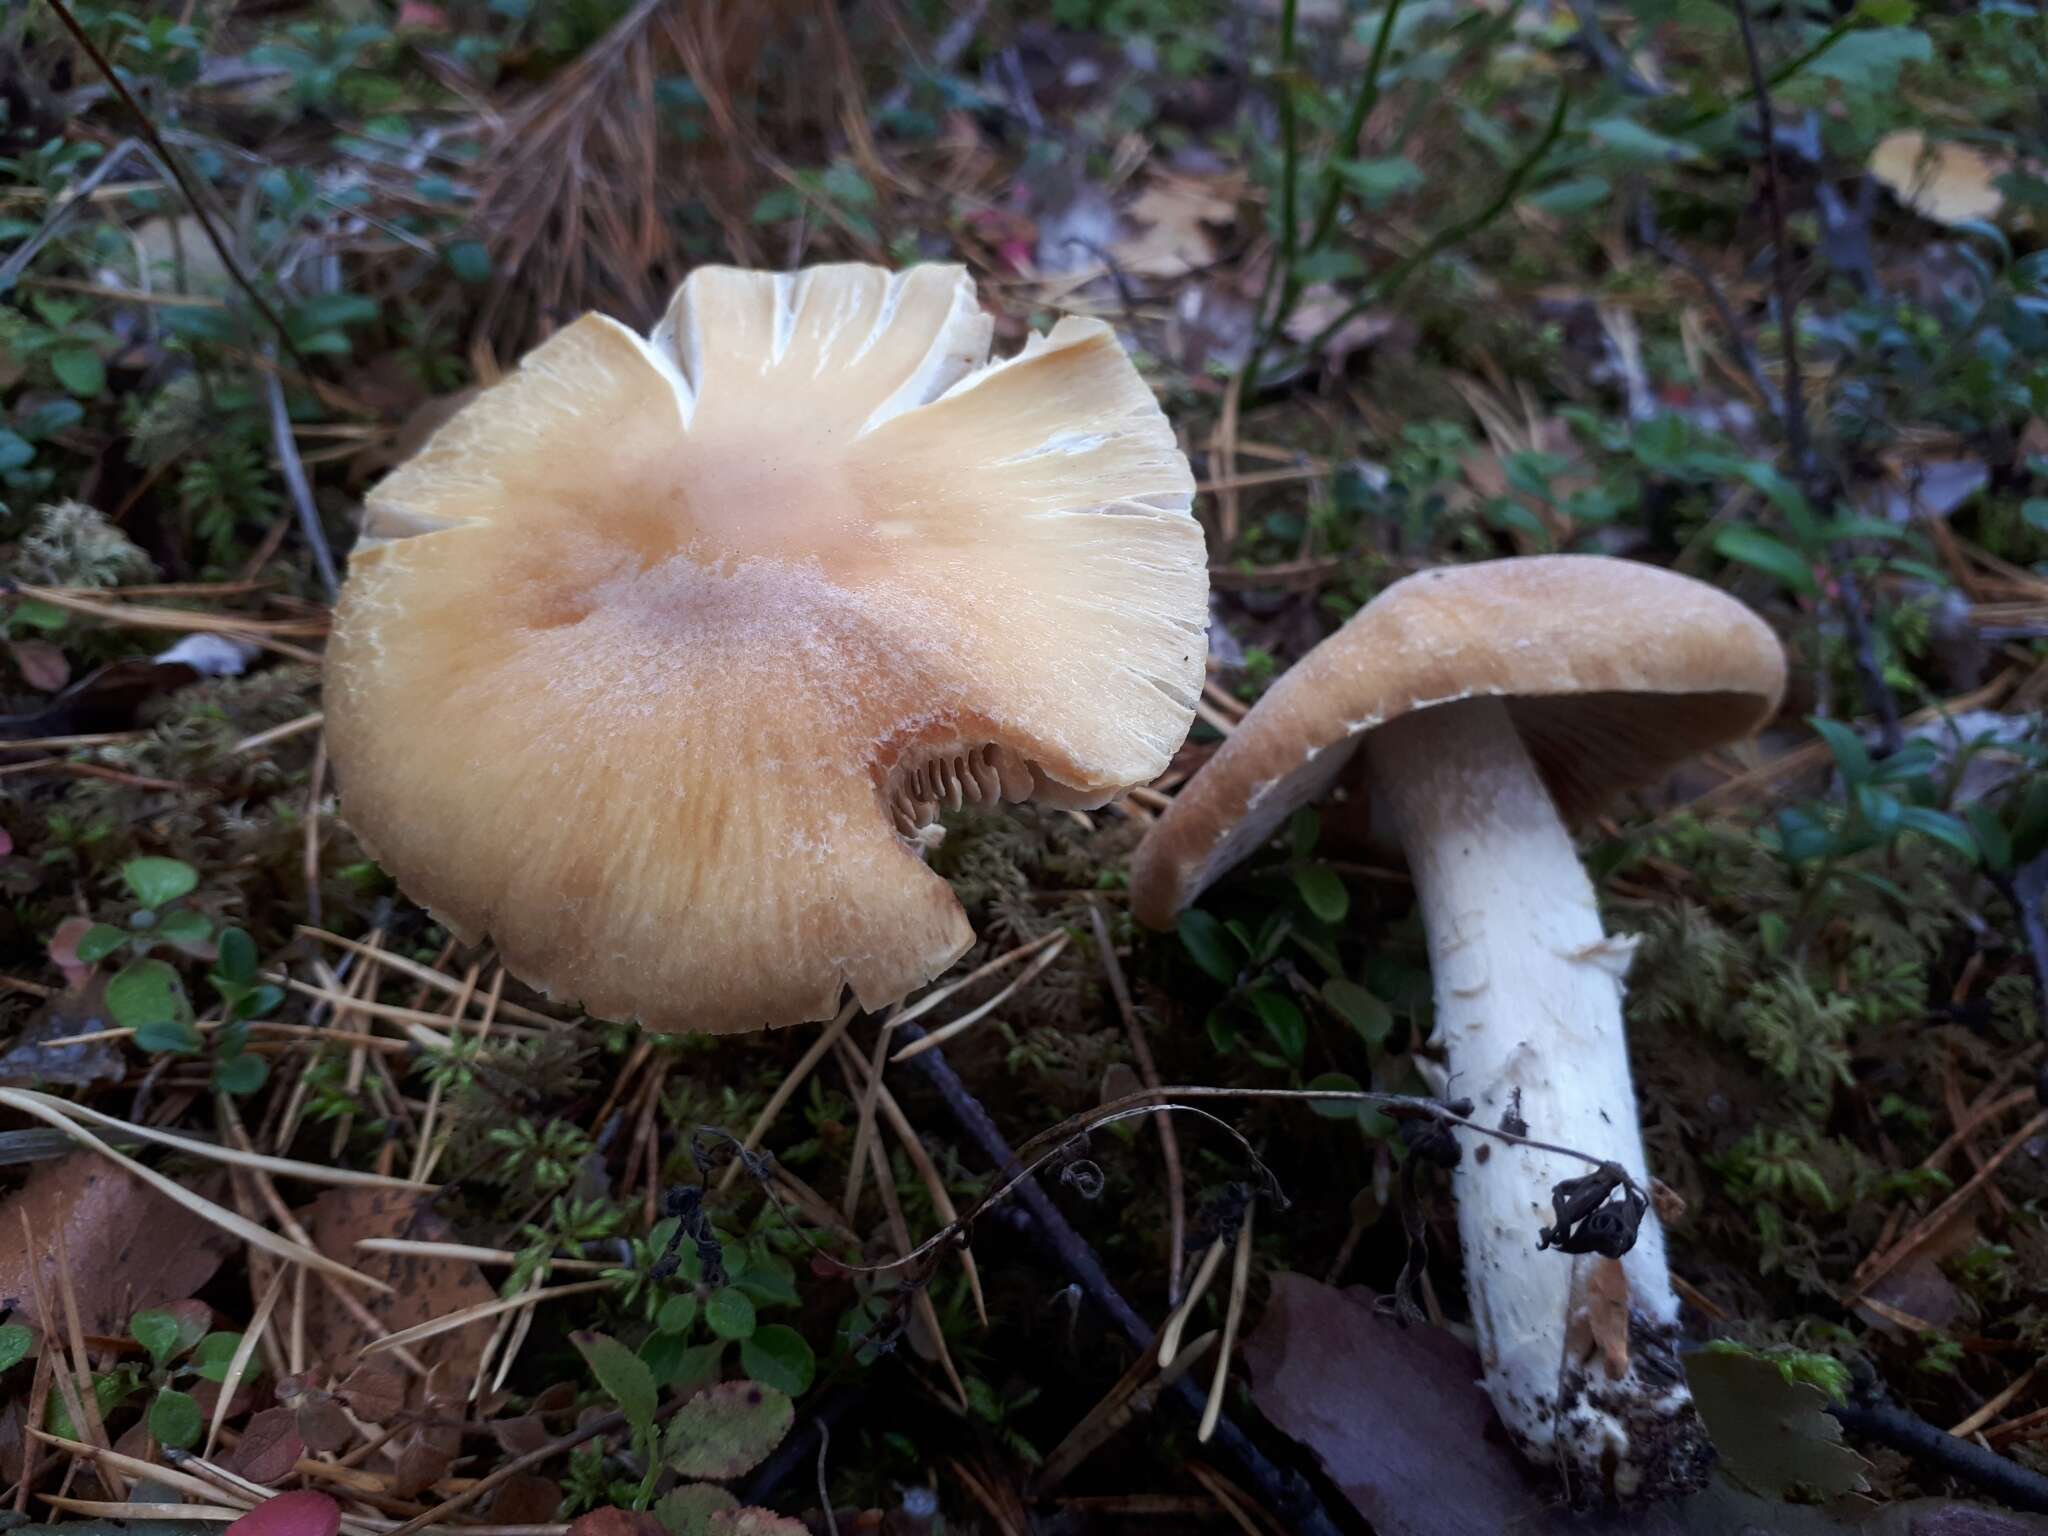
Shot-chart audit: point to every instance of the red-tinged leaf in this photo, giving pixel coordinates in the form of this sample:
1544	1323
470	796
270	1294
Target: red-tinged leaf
305	1513
270	1447
43	667
728	1429
754	1522
423	1463
323	1425
373	1392
520	1436
63	950
526	1499
612	1521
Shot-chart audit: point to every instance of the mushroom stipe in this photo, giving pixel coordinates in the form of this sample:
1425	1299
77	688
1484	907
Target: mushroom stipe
1492	702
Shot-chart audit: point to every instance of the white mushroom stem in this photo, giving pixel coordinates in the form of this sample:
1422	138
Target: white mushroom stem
1528	1007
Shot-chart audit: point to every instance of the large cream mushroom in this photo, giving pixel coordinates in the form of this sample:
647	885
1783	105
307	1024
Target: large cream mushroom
660	659
1495	702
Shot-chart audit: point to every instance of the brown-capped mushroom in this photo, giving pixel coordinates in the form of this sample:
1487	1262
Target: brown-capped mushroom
1495	702
660	659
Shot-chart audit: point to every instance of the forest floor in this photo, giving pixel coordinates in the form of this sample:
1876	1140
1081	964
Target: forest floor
1447	281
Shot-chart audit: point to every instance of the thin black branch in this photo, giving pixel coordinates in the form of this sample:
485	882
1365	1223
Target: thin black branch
1282	1493
2027	891
1815	478
1792	406
1960	1458
1667	249
1608	54
294	469
191	193
1511	185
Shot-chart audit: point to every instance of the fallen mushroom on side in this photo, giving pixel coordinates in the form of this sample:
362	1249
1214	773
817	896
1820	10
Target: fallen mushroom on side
1495	702
659	661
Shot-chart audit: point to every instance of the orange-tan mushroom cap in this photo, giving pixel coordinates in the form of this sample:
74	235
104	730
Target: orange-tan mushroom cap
655	661
1613	672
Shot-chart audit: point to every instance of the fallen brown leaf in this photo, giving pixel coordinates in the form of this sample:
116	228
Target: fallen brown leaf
422	1288
130	1247
270	1447
1177	213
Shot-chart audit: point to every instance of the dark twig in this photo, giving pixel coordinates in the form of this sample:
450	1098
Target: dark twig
1450	235
1815	478
1148	1074
295	481
1283	1493
1655	240
185	186
2027	891
1608	54
1792	404
1354	128
1960	1458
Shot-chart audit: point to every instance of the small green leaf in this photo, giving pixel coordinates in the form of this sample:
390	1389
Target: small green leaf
1577	194
79	370
1284	1023
100	941
728	1429
1851	756
1991	837
216	1352
1334	1109
1207	942
1379	181
1952	831
157	1332
779	1356
15	1342
16	451
470	261
1359	1008
662	1354
624	1377
237	959
1869	60
677	1313
1322	892
1304	830
1629	141
729	1313
175	1420
769	1280
258	1001
687	1511
240	1076
184	928
156	881
178	1037
147	992
1767	553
